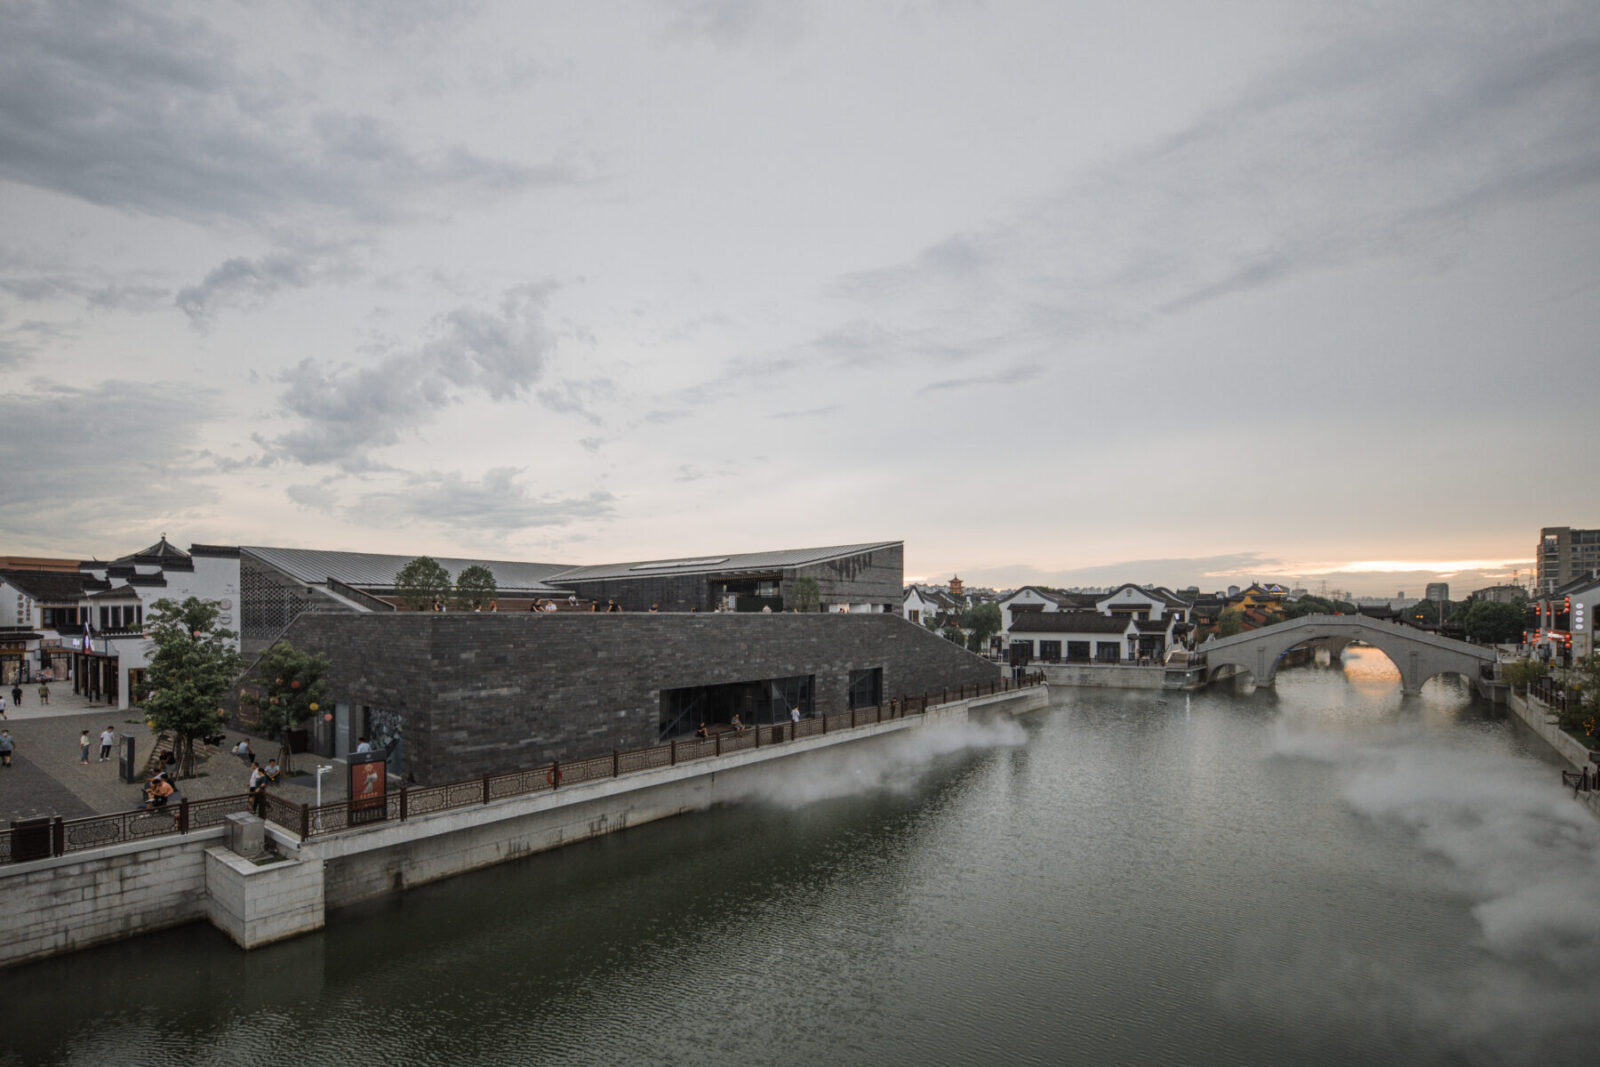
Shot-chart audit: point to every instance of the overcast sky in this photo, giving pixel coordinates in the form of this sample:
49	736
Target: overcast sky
1059	292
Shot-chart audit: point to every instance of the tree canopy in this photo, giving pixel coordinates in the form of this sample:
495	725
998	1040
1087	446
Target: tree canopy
1230	621
805	594
422	583
290	694
1490	622
981	621
475	587
192	665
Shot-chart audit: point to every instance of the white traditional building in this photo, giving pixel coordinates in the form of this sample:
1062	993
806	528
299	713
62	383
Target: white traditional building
1052	627
87	627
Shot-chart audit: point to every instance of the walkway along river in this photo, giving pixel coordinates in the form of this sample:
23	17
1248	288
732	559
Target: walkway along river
1324	874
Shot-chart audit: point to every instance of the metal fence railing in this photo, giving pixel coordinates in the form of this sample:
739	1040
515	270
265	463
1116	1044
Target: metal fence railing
31	839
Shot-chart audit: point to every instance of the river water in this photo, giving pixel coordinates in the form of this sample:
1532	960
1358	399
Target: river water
1327	874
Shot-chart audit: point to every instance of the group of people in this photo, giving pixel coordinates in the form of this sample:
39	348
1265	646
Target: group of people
260	778
108	738
158	789
737	724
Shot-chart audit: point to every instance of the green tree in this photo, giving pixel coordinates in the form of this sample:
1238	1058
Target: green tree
1428	612
1230	622
192	665
1306	605
981	621
1490	622
1522	673
805	594
422	583
291	693
475	587
1585	677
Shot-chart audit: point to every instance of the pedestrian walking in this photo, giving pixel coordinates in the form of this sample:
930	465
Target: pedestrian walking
16	696
83	748
5	748
108	737
258	792
44	693
794	715
2	706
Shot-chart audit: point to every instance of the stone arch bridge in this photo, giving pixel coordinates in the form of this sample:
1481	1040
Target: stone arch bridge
1418	655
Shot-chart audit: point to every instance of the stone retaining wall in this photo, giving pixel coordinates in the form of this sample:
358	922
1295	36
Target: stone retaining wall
65	903
1104	676
58	905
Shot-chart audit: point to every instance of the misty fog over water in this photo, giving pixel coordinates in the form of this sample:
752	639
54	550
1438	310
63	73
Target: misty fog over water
1325	873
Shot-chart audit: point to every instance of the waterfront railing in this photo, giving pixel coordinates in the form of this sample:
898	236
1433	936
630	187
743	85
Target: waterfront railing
30	839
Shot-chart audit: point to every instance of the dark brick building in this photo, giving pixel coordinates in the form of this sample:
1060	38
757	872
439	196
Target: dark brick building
460	694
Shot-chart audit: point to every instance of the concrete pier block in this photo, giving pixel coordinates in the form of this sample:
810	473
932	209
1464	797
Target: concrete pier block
256	904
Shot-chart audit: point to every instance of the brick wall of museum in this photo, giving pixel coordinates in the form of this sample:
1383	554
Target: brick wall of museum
483	693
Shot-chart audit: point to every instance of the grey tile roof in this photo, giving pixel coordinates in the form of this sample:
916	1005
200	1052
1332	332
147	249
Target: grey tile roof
722	564
1069	622
121	592
368	570
49	587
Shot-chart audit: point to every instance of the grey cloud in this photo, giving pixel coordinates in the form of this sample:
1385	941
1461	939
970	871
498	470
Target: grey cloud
88	477
136	108
807	413
19	343
248	282
1014	375
735	22
1384	139
573	397
495	503
96	294
347	412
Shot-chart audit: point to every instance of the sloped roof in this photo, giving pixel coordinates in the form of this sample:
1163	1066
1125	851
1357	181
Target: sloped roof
48	587
367	570
1069	622
163	551
731	563
121	592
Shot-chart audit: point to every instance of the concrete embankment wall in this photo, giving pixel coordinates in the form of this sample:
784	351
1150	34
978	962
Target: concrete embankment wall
59	905
1104	676
1534	716
389	857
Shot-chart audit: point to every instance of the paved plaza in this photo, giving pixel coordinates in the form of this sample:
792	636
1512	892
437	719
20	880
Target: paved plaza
46	777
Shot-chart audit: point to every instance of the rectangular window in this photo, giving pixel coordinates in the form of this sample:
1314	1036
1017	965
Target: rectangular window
105	618
866	688
755	702
1108	651
1050	651
1078	651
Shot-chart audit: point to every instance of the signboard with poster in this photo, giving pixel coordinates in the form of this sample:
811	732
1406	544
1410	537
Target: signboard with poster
368	781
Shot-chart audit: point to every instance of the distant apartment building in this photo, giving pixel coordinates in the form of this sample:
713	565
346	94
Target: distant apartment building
1563	554
1437	591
